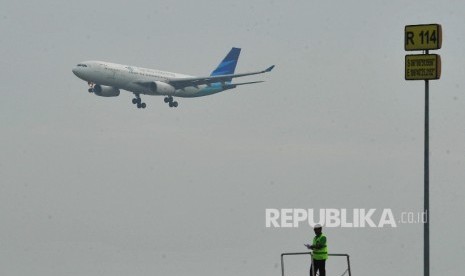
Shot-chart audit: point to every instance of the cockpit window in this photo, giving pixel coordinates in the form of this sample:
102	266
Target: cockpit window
81	65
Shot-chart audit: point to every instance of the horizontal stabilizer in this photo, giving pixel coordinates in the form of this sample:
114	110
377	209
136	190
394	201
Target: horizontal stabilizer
234	85
250	82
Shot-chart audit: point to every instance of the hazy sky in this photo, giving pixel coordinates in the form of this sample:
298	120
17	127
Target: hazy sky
94	186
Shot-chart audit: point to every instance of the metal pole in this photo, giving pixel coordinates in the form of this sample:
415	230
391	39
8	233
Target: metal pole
348	265
282	264
426	188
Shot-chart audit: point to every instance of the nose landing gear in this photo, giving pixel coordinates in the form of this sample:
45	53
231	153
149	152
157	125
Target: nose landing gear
91	87
170	101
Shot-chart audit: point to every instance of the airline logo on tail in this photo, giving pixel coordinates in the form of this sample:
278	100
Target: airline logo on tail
228	65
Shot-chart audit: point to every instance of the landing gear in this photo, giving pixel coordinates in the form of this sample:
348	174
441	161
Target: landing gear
138	101
170	101
91	87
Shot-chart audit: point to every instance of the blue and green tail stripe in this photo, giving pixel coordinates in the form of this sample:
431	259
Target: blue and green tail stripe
228	65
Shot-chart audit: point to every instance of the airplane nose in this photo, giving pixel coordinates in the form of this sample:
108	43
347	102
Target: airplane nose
77	71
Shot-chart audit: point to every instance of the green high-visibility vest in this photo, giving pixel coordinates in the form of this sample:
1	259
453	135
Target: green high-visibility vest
322	253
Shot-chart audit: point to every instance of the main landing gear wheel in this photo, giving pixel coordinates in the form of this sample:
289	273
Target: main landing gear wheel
138	102
171	102
141	105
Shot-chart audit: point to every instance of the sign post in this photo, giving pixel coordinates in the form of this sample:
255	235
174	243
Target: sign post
424	67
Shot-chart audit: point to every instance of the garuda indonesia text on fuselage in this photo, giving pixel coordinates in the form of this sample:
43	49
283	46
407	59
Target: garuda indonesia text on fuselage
106	79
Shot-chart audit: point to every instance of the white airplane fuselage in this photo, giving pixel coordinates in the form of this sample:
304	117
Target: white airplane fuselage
130	78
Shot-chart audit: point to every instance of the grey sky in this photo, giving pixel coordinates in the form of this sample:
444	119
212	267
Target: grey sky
93	186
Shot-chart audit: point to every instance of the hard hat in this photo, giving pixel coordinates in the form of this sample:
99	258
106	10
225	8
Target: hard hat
317	226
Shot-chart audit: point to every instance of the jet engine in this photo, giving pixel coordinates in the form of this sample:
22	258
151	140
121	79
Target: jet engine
162	88
105	91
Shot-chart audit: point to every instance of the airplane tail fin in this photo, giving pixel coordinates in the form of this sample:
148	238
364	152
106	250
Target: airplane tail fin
228	65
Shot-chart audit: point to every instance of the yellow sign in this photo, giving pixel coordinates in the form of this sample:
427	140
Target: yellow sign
423	37
422	67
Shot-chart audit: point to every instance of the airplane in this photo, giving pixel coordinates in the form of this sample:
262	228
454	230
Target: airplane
106	79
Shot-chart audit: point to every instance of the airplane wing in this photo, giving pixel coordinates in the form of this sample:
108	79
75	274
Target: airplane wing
185	82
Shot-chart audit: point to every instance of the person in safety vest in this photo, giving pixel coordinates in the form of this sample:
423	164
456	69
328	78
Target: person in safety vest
320	251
